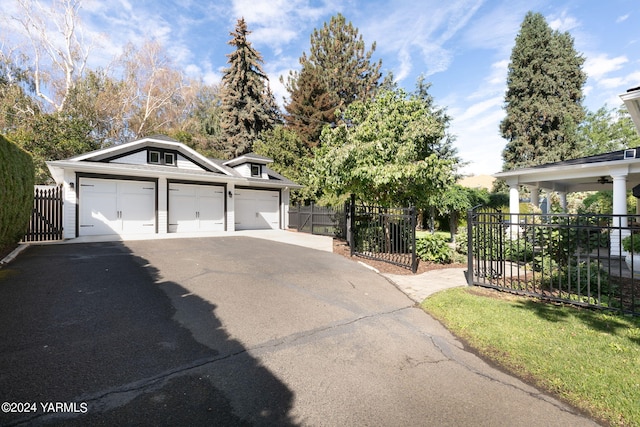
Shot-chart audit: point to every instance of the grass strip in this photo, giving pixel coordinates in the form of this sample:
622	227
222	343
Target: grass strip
589	358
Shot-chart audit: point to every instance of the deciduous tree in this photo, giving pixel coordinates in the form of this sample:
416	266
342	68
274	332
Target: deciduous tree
58	51
606	130
383	153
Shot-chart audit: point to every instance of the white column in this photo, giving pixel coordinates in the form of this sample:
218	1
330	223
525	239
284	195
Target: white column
284	209
535	196
563	201
619	208
231	217
514	209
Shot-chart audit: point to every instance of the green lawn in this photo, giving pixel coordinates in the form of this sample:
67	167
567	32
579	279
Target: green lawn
589	358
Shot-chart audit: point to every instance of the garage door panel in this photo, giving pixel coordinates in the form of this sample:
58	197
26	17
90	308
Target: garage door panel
109	206
257	209
182	208
194	207
138	212
100	215
211	209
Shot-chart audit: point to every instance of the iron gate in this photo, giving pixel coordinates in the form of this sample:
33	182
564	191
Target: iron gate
577	259
384	234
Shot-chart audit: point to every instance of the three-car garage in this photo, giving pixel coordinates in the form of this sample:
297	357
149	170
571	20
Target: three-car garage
130	206
159	186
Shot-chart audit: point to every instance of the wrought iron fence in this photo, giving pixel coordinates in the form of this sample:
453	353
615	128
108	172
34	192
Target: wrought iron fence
385	234
314	219
579	259
46	216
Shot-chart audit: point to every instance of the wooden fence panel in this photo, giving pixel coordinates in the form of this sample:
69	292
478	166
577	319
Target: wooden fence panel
46	217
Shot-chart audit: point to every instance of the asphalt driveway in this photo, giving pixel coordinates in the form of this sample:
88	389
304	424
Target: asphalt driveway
235	331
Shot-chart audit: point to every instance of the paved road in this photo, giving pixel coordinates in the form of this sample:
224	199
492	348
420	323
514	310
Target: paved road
236	331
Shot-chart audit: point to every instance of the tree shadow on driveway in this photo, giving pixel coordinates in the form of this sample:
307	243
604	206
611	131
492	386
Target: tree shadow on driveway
92	326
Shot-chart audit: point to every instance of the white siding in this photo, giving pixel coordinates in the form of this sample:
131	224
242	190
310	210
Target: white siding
69	207
244	170
139	158
162	206
184	163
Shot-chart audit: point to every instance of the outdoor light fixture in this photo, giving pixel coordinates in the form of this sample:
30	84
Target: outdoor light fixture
72	186
230	194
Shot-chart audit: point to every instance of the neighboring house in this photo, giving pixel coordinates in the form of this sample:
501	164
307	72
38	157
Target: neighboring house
157	185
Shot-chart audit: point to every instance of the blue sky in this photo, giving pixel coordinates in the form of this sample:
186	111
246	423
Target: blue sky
461	46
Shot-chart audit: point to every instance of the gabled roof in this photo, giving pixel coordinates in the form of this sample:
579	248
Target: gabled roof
109	161
157	141
248	158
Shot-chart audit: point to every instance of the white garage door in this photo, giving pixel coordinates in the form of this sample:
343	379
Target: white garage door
195	208
109	206
257	209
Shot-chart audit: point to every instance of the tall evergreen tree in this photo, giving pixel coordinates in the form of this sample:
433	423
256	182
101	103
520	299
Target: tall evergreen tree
337	72
247	102
544	96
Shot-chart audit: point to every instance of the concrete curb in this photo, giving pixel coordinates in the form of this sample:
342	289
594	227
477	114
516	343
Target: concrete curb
6	260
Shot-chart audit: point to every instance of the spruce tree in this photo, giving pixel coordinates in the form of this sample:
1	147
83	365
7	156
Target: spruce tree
543	101
247	104
337	72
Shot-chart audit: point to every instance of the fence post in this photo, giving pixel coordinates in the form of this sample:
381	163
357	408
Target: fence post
351	225
414	259
470	246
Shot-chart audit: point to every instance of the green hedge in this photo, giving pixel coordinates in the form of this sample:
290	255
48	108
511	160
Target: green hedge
16	192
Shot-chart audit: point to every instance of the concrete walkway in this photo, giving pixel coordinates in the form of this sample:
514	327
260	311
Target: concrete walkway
420	286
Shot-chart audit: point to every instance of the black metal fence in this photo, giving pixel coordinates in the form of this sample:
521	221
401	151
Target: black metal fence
578	259
384	234
46	216
314	219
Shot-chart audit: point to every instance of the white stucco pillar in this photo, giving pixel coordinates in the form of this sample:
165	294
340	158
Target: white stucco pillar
619	208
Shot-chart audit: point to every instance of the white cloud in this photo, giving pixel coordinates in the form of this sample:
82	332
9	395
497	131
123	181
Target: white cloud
405	29
622	18
563	22
598	65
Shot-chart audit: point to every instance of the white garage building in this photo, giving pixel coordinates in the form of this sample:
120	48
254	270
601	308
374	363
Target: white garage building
157	185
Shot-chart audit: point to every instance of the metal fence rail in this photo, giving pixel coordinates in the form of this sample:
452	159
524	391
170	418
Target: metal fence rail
578	259
385	234
314	219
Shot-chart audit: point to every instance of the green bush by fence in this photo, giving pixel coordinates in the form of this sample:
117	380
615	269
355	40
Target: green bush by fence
434	248
16	192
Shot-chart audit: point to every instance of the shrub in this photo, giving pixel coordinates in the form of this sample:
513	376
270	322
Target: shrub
631	243
16	192
434	248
